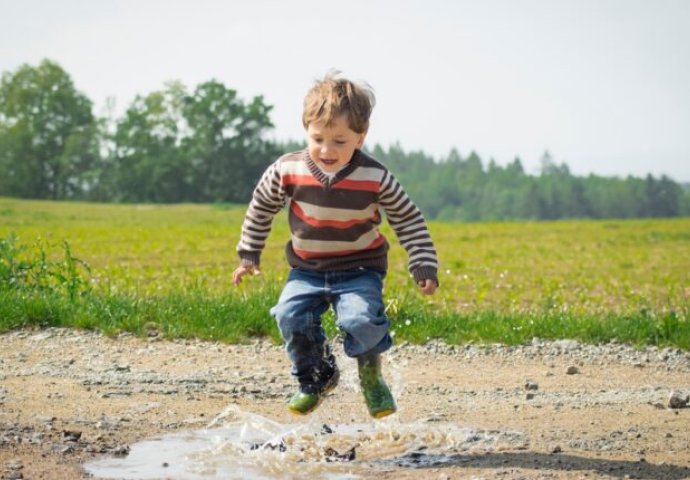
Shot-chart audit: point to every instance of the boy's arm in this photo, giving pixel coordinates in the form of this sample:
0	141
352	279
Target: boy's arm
409	225
267	200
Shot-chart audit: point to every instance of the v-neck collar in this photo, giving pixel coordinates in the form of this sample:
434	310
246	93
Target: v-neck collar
323	178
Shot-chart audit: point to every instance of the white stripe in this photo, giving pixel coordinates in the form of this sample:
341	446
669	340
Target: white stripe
367	174
412	244
325	246
342	214
295	168
406	237
402	225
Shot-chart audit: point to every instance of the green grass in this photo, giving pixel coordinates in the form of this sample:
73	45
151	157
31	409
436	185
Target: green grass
139	268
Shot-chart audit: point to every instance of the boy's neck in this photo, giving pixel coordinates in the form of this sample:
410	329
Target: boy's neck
332	174
328	178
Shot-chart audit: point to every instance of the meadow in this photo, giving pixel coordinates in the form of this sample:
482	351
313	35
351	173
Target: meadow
166	269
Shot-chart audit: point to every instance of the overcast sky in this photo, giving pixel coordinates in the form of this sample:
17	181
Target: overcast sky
604	85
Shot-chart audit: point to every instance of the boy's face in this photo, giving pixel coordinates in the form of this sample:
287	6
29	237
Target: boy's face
331	147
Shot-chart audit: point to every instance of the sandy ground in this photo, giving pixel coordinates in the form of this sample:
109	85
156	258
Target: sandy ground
69	397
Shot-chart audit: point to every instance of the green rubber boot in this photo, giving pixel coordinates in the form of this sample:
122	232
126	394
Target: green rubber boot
303	403
377	395
309	397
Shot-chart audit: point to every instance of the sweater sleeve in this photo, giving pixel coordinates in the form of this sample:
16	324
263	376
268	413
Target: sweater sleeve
267	200
409	226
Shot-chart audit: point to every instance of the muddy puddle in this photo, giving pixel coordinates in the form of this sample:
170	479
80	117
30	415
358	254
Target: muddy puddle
243	445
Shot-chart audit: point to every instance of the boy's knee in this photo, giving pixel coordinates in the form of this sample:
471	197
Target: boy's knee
290	324
363	323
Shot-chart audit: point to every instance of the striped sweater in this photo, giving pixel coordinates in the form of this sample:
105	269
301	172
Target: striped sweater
334	221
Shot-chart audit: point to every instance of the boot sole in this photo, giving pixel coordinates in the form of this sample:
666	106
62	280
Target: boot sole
306	412
383	413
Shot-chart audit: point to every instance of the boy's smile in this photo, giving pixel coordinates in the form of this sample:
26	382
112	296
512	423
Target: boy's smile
331	147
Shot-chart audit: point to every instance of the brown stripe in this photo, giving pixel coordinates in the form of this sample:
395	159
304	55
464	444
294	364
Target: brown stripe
303	230
354	200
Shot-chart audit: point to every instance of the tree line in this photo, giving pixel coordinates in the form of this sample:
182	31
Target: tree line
209	145
457	188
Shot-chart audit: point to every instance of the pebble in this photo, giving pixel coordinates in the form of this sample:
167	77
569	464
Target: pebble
572	370
15	464
677	400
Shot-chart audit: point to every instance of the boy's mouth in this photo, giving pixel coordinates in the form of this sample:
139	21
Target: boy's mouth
329	161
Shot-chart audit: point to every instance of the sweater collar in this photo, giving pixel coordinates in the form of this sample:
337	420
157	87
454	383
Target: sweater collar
324	179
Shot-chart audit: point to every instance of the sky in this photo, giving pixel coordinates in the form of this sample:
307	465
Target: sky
602	85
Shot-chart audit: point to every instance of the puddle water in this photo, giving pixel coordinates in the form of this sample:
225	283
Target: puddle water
242	445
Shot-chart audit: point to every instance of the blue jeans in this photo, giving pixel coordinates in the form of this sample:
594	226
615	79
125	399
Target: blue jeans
356	296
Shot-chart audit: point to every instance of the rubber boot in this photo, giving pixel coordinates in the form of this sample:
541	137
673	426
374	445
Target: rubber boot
304	402
309	396
377	395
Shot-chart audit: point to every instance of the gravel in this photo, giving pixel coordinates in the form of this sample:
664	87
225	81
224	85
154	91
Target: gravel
79	356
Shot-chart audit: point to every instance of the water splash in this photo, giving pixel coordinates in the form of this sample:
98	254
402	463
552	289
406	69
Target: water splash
240	445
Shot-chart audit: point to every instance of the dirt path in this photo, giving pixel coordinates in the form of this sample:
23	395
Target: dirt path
568	411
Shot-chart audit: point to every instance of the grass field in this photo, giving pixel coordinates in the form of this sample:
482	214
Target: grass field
168	268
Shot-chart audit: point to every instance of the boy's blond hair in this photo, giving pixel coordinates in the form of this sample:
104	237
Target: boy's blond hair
334	96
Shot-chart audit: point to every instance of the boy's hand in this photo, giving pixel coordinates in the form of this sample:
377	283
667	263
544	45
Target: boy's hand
427	286
242	271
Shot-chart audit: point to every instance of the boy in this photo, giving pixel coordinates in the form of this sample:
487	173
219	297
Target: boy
338	257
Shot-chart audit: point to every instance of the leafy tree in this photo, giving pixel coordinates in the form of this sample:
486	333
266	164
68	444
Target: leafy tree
174	146
149	164
225	145
48	134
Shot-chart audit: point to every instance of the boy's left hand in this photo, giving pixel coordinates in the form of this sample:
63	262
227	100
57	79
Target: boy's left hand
427	286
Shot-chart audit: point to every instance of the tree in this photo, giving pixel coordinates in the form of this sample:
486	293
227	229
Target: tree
205	146
150	165
225	146
48	134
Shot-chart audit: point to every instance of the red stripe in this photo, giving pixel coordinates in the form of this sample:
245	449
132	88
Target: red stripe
315	222
306	254
311	181
364	185
295	179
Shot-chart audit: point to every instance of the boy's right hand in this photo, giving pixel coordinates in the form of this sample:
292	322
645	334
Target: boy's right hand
242	271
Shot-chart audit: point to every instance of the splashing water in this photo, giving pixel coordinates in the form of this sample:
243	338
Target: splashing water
241	445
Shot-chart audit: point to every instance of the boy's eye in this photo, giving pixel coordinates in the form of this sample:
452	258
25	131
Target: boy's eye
340	142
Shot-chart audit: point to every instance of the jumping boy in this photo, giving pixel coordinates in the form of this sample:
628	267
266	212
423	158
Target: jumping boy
334	193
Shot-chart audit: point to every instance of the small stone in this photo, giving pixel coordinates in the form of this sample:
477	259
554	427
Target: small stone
14	465
529	396
325	429
566	345
71	436
572	370
119	450
557	449
531	385
676	400
63	449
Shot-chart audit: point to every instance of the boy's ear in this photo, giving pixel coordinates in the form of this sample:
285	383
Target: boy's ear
362	136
